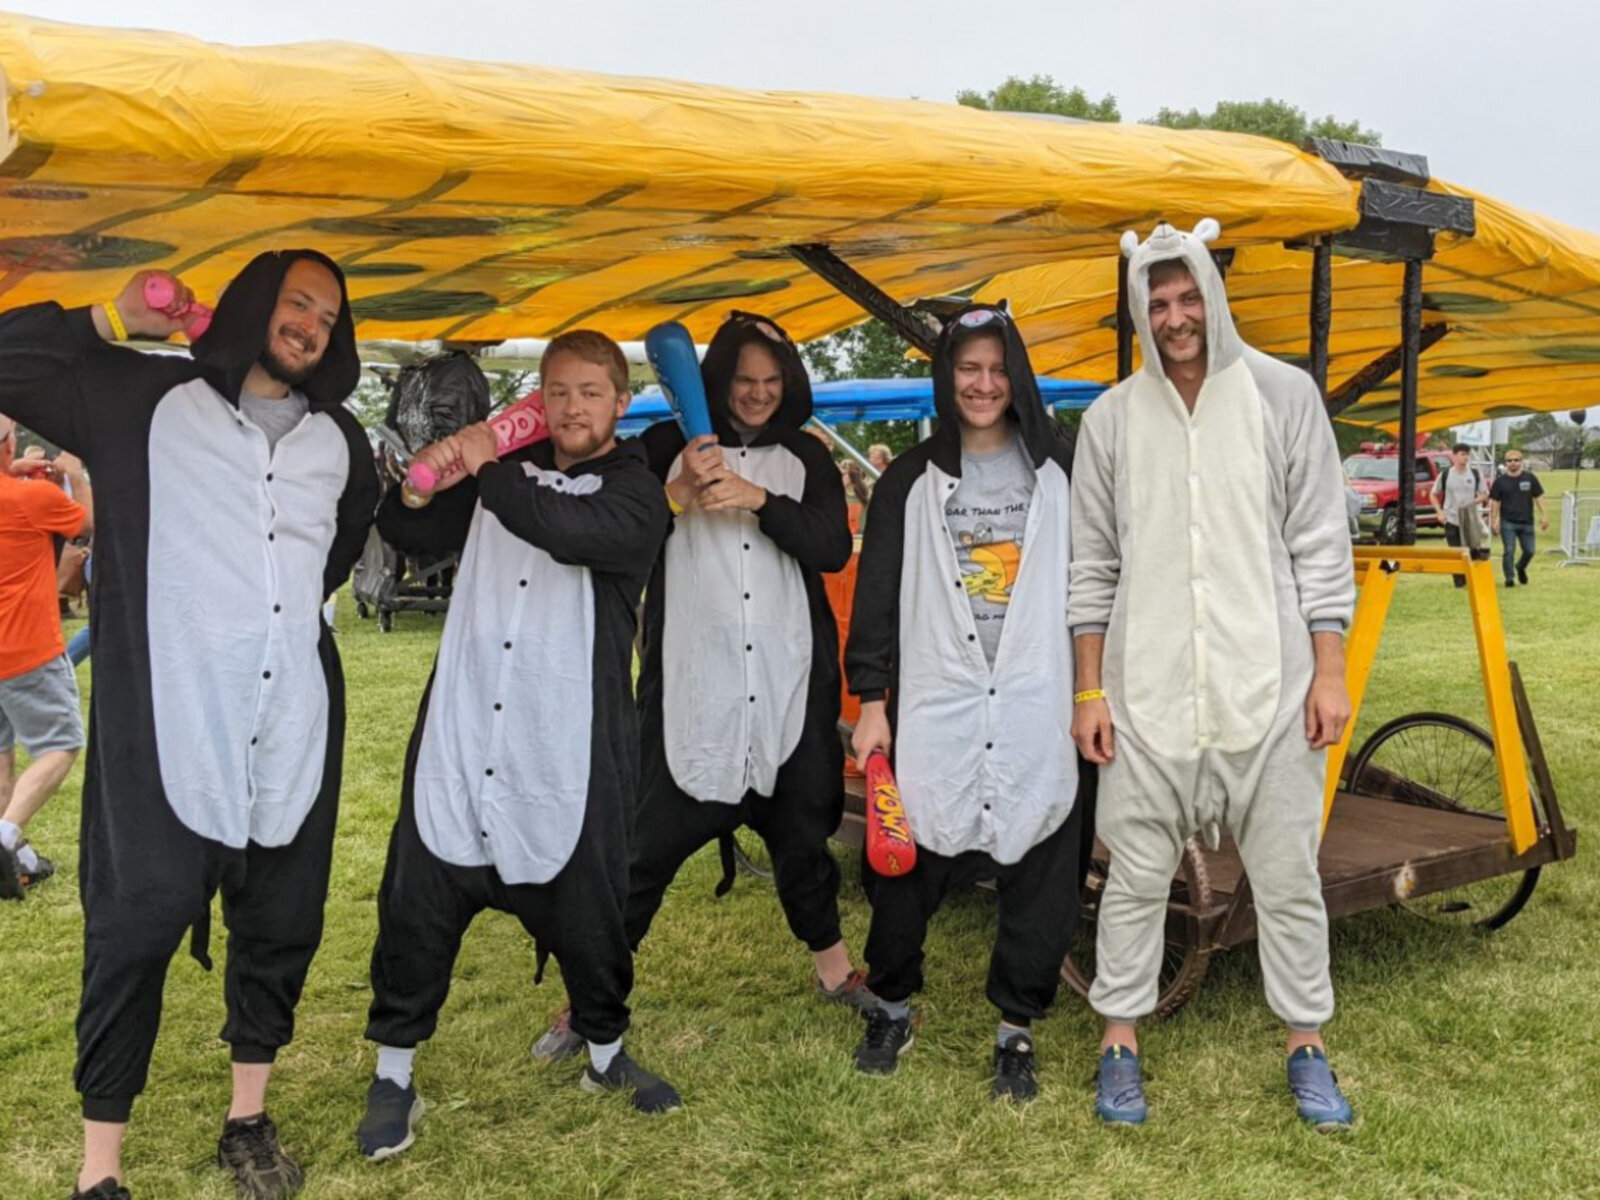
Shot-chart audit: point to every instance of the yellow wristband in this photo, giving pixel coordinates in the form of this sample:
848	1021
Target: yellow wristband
1085	697
118	330
677	509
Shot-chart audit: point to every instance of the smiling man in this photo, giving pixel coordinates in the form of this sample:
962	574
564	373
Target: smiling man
232	493
520	778
1211	586
969	542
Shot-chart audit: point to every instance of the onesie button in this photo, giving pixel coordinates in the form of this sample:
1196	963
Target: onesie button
277	608
752	699
985	808
748	649
747	595
488	771
988	746
747	545
508	645
266	674
272	537
269	476
499	707
991	691
972	637
522	583
254	740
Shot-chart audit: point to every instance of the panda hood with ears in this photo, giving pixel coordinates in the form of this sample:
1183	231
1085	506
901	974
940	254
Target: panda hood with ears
1223	345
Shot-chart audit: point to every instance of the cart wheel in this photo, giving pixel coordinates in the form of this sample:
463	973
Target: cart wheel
1440	761
750	853
362	610
1187	954
385	620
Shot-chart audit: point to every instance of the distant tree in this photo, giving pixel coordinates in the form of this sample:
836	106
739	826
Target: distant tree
1266	118
1042	94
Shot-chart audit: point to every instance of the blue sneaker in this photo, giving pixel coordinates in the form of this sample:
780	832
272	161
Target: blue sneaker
1119	1090
1316	1092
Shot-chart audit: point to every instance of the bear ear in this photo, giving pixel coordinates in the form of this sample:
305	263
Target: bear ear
1208	230
1129	243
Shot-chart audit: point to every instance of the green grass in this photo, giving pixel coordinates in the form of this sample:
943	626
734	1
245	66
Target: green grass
1471	1059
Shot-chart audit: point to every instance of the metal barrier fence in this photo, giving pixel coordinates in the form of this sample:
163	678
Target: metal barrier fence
1580	528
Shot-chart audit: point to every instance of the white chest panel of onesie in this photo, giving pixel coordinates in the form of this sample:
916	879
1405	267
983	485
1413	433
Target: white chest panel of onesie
502	774
985	757
736	641
1202	664
239	540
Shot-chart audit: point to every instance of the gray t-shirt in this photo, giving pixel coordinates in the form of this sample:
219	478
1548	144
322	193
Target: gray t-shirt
274	417
1458	488
987	515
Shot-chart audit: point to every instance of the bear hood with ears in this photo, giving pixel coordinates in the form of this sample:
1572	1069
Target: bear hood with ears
239	332
722	360
1223	345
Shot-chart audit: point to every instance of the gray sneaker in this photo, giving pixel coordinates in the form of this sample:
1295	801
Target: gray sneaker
852	993
558	1043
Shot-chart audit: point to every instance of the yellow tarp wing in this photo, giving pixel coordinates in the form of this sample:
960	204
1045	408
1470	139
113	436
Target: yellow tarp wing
1521	300
482	202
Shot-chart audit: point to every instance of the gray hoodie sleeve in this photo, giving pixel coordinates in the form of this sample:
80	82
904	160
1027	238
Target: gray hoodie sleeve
1096	550
1314	529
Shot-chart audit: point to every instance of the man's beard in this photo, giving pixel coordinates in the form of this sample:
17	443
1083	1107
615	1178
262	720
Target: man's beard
281	371
586	445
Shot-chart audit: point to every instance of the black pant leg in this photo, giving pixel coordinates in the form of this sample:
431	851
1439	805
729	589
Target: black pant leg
1039	898
901	908
424	908
669	826
1452	537
274	919
578	918
795	823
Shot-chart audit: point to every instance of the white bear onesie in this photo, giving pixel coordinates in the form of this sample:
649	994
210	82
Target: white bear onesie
1208	548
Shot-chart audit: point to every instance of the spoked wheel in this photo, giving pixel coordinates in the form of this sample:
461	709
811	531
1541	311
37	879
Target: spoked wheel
1187	952
750	853
1436	760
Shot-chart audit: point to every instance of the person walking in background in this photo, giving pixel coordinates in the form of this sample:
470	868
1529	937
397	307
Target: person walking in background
1512	500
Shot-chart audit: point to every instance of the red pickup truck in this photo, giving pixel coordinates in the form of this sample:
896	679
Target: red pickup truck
1374	475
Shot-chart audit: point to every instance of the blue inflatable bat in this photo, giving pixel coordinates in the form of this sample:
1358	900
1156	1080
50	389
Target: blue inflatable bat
670	350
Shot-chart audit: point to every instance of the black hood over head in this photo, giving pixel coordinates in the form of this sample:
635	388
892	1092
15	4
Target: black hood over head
239	331
722	359
1040	434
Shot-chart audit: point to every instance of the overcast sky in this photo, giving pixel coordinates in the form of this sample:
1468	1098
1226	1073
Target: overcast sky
1501	97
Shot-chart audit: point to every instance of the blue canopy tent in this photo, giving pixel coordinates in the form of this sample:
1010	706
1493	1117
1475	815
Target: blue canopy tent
868	400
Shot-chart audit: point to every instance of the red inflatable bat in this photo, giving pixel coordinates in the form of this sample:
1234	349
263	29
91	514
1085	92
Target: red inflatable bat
890	850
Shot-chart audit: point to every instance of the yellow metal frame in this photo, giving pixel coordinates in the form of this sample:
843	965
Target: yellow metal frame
1377	569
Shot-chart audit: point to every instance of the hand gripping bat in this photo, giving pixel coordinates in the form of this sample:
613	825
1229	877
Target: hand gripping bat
161	294
522	424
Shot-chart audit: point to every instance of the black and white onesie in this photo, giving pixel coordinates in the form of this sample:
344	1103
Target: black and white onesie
522	770
216	729
739	684
991	781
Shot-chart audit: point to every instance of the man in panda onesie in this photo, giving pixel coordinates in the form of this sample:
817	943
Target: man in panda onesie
969	544
1211	587
233	493
522	770
739	683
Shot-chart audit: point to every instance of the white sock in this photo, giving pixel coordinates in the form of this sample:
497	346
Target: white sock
27	859
394	1064
10	835
601	1054
1007	1031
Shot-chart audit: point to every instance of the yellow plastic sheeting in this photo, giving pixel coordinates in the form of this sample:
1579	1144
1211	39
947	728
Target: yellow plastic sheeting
1521	299
475	201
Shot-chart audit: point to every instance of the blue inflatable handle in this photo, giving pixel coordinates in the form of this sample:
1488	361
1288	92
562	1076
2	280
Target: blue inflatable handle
670	350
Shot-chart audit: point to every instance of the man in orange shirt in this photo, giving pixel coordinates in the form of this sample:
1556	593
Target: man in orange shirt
38	690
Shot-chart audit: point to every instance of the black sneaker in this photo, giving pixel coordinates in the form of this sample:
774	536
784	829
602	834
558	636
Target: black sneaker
1510	582
261	1170
1013	1070
10	876
651	1093
886	1039
390	1123
43	871
1522	576
106	1189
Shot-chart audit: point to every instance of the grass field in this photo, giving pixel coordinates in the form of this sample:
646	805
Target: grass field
1471	1060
